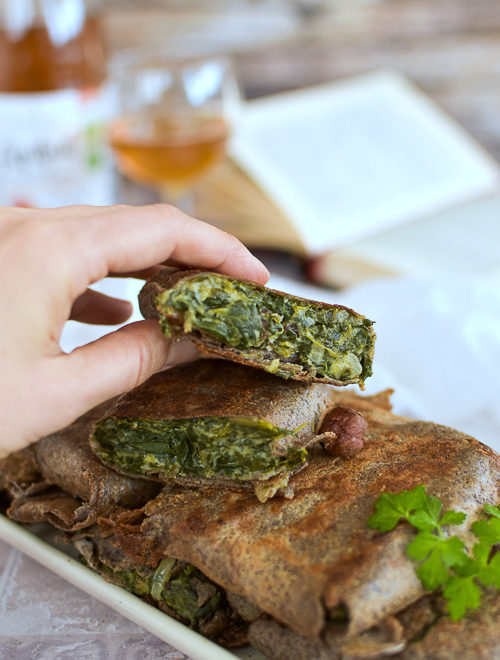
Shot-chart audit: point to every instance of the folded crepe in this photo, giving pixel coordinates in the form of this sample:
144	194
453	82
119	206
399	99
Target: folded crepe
422	631
313	559
60	480
472	638
213	421
18	473
305	577
241	321
175	587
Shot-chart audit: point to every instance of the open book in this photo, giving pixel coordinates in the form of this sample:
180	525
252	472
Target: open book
322	169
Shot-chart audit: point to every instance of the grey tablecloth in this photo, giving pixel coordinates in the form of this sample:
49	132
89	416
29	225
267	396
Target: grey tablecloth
43	617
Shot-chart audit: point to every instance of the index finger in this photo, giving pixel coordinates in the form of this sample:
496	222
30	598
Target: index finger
124	239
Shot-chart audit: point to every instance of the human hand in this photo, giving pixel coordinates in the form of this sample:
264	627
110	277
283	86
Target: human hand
47	260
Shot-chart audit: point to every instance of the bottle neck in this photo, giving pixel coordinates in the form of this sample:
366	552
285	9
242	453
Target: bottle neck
49	44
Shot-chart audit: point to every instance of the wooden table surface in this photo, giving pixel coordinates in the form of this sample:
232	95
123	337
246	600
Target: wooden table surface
450	48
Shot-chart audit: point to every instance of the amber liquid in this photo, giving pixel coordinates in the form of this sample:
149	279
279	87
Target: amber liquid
168	153
33	63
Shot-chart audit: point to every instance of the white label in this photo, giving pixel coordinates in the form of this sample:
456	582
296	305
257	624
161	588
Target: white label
53	148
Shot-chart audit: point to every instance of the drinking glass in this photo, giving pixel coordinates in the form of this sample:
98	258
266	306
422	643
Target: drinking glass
174	119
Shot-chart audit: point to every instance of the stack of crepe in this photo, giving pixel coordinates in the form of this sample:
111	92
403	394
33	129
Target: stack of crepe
207	492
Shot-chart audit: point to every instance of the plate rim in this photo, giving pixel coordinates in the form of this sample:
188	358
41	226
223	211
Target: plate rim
158	623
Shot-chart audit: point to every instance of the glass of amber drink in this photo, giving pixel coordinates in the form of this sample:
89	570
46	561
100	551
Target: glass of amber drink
174	121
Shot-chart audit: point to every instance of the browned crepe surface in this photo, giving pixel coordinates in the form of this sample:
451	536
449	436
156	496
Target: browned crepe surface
167	279
224	626
60	480
475	637
18	472
218	388
420	632
297	558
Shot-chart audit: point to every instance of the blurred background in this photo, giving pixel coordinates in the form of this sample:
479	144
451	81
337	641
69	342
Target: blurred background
451	48
448	48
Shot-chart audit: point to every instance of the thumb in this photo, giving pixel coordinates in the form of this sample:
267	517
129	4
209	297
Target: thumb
118	362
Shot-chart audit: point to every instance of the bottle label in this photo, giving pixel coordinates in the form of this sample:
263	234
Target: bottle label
53	148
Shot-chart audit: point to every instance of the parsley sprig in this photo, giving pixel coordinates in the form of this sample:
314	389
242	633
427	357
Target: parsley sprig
444	559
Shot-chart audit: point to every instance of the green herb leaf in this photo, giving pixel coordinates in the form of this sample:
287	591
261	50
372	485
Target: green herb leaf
492	510
423	520
426	518
390	508
468	568
453	551
453	518
433	572
421	546
481	552
432	506
444	560
490	574
461	593
385	519
487	531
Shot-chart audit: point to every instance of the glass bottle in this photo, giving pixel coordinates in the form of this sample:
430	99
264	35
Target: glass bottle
54	104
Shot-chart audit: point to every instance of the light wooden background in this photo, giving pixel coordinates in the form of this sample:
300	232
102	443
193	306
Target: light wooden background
451	48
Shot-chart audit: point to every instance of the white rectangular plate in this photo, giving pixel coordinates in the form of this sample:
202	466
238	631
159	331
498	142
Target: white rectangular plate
155	621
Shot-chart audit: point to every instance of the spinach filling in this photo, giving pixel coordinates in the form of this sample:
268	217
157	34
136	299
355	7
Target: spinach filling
232	447
179	585
271	327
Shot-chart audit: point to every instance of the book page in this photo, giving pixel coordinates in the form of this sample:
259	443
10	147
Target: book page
470	232
462	240
345	160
